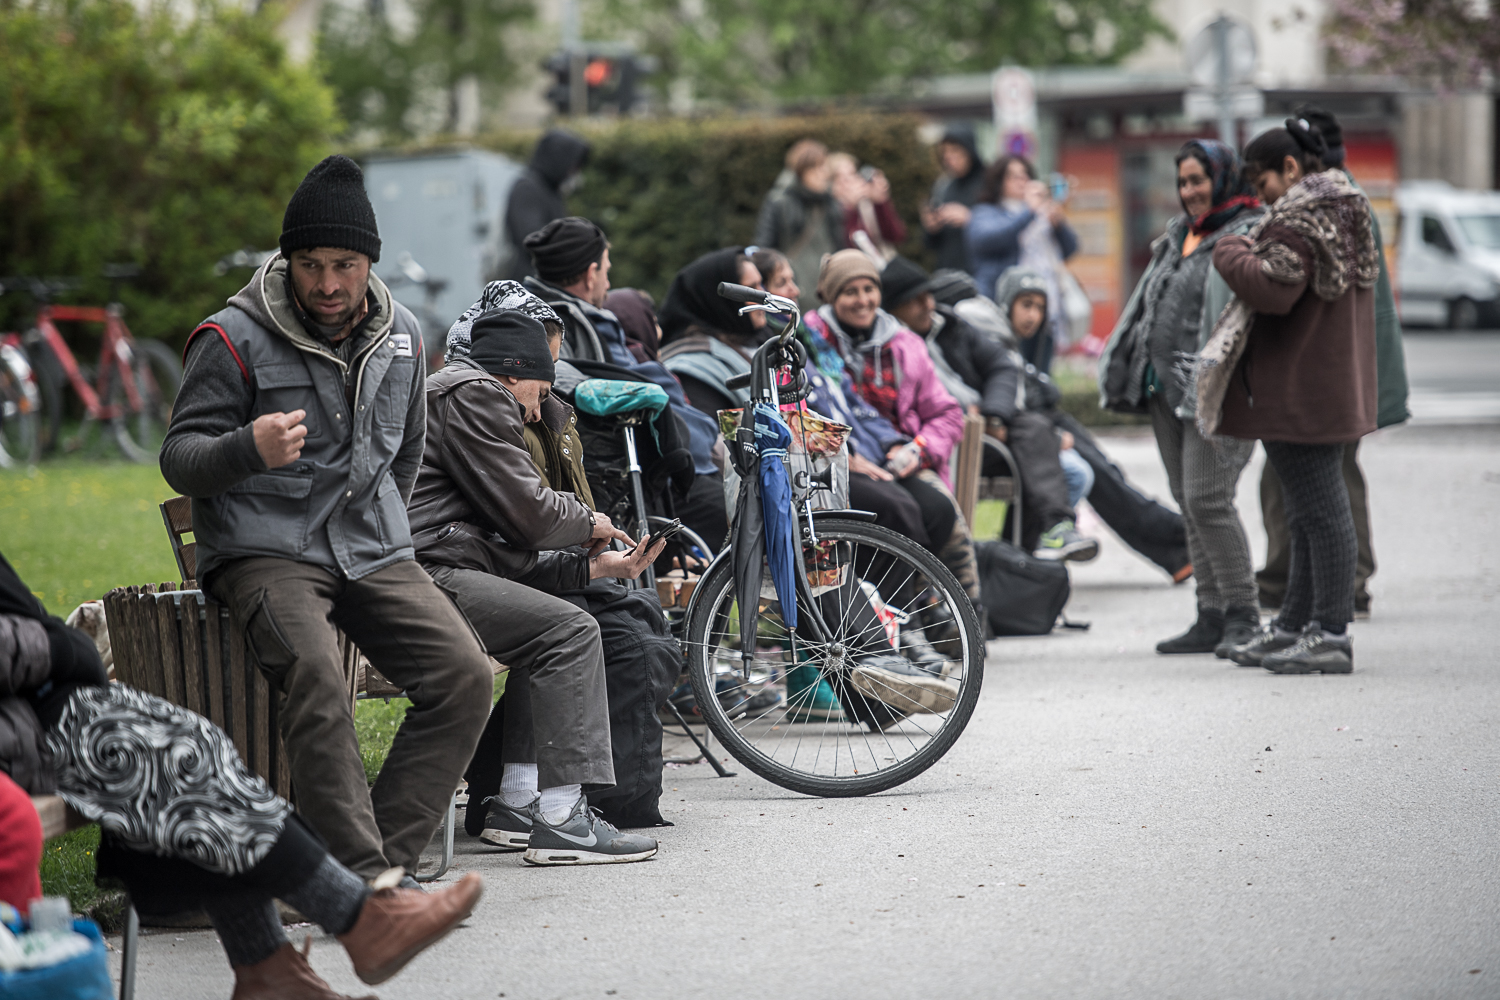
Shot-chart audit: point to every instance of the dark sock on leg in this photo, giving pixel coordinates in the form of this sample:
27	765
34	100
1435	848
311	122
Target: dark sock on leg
248	927
332	896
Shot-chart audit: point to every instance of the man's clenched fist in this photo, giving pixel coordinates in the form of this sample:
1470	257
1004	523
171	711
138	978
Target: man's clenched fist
278	437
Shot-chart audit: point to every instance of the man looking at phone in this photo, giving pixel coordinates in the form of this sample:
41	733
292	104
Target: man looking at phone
503	543
298	432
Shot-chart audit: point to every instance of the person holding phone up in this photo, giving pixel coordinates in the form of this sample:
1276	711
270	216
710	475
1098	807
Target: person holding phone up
1018	222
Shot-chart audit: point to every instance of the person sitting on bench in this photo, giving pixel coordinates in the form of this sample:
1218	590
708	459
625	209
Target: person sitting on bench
502	544
298	433
185	824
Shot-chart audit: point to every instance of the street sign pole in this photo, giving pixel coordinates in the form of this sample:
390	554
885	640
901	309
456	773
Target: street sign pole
1228	130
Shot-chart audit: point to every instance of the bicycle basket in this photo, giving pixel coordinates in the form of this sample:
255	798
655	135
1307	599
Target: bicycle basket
818	445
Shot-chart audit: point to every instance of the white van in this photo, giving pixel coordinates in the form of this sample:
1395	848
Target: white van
1448	268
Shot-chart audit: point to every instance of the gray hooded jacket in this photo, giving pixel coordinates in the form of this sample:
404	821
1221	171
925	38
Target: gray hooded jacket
342	504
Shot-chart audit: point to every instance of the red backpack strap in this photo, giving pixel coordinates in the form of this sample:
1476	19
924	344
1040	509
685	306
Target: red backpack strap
227	343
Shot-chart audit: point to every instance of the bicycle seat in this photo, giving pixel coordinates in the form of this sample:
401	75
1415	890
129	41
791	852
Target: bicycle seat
601	397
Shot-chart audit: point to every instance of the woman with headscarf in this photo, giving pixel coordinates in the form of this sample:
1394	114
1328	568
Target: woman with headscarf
705	340
1147	368
1292	363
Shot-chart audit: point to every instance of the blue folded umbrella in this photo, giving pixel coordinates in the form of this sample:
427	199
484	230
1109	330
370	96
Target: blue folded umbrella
772	438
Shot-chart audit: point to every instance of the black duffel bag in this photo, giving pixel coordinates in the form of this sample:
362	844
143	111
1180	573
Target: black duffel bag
1023	595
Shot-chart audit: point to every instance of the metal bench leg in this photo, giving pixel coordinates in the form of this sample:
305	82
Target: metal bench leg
129	946
447	828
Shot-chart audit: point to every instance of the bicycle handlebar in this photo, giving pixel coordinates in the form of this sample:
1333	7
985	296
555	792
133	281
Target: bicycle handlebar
742	293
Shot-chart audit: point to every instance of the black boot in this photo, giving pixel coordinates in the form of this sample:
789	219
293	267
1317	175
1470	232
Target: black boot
1201	638
1241	623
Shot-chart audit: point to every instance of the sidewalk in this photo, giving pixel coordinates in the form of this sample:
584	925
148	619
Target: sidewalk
1113	824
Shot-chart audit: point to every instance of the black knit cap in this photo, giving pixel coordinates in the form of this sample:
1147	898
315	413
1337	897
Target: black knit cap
509	342
564	248
330	209
901	280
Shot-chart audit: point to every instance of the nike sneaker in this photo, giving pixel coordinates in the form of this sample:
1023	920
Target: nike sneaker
584	838
1064	541
506	827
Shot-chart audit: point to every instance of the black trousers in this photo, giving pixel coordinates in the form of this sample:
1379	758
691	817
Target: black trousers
1153	530
1033	440
1320	578
893	507
1272	579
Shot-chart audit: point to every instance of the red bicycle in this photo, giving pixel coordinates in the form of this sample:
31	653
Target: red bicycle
133	385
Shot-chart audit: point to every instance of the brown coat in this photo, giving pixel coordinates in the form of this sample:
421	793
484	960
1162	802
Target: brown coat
1307	374
479	501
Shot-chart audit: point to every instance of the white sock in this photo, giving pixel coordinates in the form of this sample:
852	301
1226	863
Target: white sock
518	785
558	802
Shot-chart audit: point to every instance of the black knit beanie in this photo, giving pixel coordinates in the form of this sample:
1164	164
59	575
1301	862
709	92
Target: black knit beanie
509	342
564	248
330	209
901	280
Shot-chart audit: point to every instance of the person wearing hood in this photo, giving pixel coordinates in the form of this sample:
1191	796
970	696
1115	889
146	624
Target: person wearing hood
1146	368
890	369
993	380
705	339
1391	386
803	219
1292	363
1016	223
945	218
539	195
298	433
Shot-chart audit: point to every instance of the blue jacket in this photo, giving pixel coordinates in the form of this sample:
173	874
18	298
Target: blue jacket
994	241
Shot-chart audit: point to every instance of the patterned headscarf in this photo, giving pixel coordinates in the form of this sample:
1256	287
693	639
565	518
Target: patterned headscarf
1232	193
496	295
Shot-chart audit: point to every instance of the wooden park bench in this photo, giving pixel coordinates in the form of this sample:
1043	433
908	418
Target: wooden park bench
59	818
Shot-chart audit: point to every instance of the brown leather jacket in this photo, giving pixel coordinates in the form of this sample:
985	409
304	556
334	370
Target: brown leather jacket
479	502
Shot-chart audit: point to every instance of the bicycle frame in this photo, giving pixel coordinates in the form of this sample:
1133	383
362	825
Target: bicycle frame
115	354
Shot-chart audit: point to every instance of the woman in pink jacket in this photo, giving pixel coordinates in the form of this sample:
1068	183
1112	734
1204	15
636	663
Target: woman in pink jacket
893	372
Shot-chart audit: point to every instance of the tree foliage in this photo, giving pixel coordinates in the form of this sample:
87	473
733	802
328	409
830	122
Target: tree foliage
1454	43
400	83
164	138
754	50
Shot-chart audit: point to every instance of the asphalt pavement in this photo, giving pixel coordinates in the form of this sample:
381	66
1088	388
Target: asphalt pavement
1112	824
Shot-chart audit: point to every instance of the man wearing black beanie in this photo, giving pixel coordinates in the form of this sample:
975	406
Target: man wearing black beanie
496	536
298	433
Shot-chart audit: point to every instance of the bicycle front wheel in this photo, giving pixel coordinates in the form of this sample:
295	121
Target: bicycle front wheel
20	405
157	375
865	709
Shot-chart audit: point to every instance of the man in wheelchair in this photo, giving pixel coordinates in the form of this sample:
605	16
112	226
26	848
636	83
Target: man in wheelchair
504	545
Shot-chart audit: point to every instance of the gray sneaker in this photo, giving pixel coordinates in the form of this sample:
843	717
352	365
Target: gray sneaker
506	827
903	685
1268	640
1315	652
584	838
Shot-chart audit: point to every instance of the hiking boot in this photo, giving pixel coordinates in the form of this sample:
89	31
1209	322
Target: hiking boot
1201	637
285	976
1062	541
1240	625
810	698
1268	640
508	827
916	648
584	838
396	925
903	685
1314	652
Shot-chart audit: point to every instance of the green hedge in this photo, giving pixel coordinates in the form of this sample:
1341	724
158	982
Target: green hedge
667	191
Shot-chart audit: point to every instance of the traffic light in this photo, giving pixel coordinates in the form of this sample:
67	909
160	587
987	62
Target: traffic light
609	74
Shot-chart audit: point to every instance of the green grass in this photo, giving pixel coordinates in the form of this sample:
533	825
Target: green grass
74	530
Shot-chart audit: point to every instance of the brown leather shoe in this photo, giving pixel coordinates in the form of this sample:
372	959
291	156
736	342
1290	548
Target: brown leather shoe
395	925
284	976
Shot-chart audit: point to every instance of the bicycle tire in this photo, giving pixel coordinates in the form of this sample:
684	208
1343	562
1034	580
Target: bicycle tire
19	412
748	742
158	376
50	379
